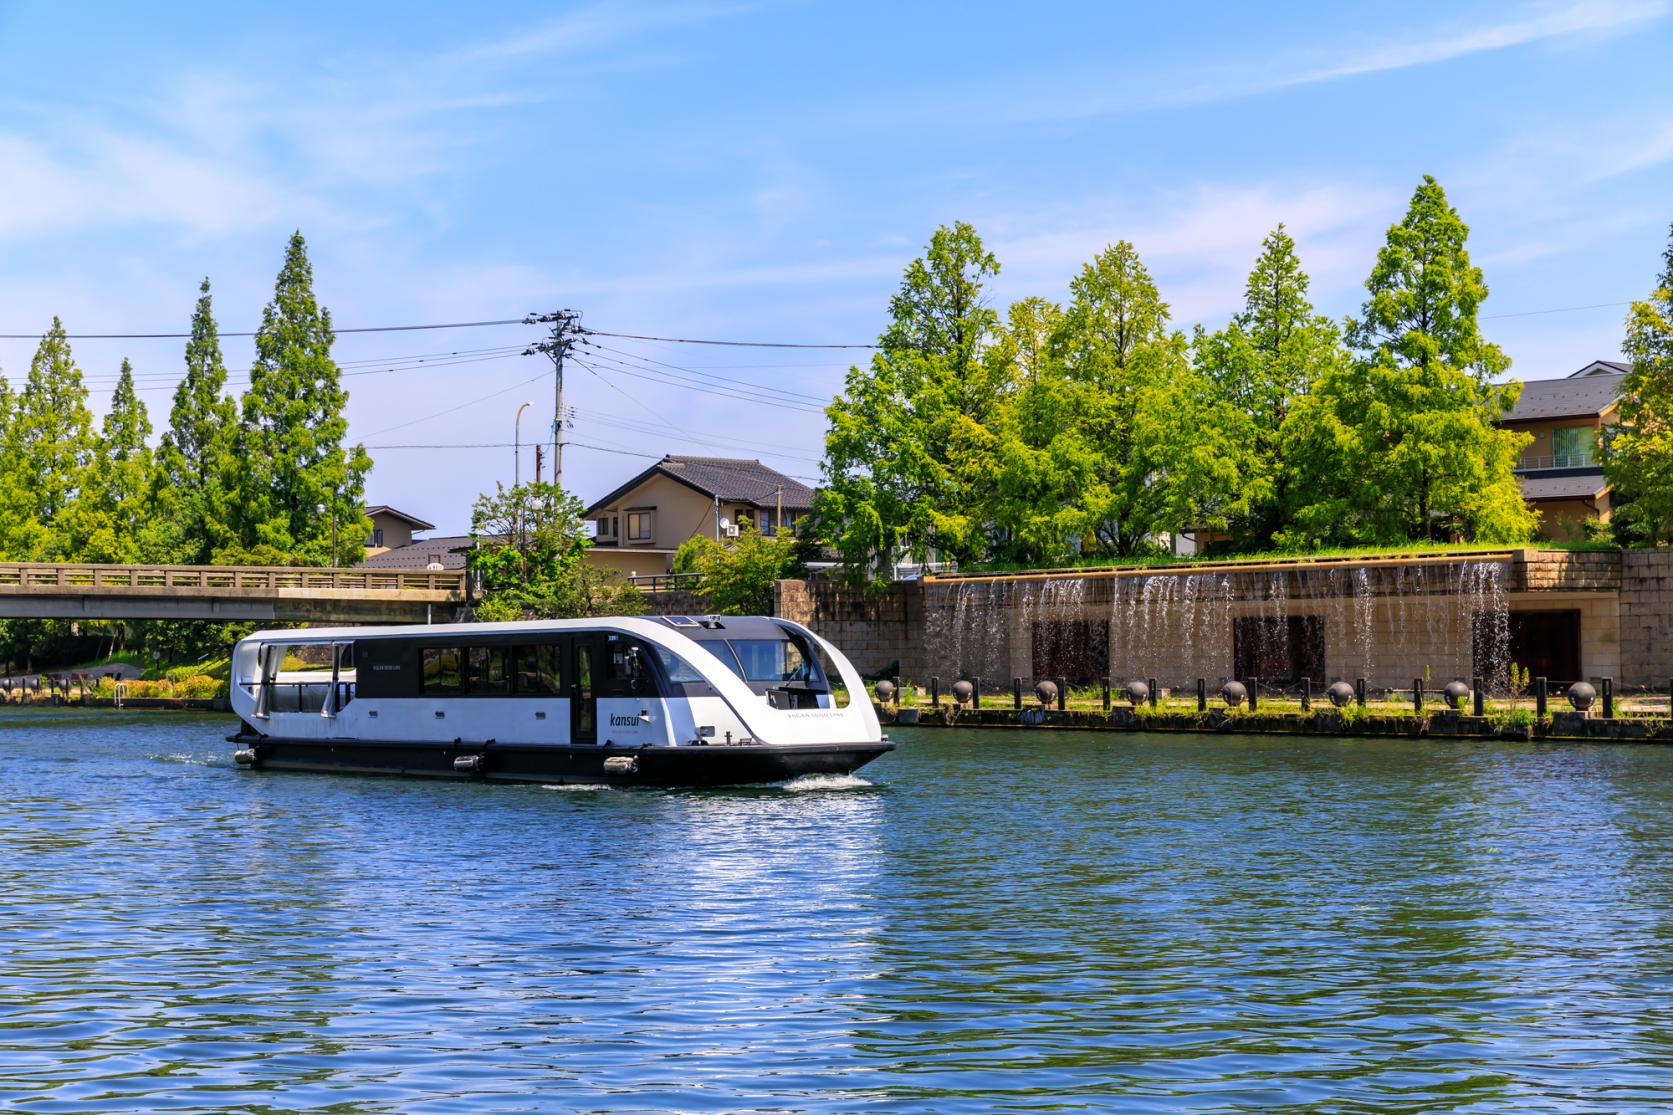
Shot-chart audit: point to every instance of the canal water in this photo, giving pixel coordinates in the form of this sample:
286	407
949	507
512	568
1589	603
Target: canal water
983	921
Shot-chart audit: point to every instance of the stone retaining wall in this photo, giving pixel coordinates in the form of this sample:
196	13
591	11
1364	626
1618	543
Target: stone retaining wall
1386	621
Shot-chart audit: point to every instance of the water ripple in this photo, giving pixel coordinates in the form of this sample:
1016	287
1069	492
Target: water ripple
984	921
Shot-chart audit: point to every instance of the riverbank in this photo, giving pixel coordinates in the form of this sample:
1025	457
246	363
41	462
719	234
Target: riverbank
1441	723
33	699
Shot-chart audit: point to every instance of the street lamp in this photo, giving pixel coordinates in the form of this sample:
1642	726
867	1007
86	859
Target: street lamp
517	446
321	509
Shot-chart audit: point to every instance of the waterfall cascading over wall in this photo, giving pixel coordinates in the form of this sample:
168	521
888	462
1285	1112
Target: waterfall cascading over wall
1389	621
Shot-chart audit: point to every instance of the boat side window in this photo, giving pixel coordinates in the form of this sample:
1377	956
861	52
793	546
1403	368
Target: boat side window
679	671
771	660
537	671
442	676
489	676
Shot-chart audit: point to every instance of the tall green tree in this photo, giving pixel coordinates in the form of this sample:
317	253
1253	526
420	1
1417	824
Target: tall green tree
197	462
110	518
1638	447
890	487
1262	363
1403	441
292	457
51	445
1165	453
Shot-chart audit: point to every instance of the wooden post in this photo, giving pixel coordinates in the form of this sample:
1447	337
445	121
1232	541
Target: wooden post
1306	694
1202	694
1608	698
975	693
1254	694
935	693
1359	692
1154	696
1540	689
1480	697
1062	694
1417	696
1016	694
1106	694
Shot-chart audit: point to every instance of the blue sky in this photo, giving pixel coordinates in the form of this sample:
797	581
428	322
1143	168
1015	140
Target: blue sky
765	170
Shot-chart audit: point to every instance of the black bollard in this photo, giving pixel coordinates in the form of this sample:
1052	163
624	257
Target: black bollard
975	693
1254	694
1062	694
1417	696
1155	691
1541	687
1359	692
1480	697
1016	694
1608	698
1306	694
934	693
1106	694
1202	694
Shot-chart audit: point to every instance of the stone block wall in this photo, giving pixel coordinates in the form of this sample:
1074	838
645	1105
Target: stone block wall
1570	571
1647	618
1389	623
882	634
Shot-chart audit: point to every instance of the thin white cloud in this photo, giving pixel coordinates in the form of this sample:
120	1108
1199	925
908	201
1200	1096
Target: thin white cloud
1181	90
601	25
1587	17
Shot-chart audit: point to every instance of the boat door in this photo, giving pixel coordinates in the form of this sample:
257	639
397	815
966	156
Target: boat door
583	692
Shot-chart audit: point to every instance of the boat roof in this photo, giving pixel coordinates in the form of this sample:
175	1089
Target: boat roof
694	627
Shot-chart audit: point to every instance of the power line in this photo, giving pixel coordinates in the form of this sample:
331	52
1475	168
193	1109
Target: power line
459	406
820	399
730	344
252	333
638	371
1557	310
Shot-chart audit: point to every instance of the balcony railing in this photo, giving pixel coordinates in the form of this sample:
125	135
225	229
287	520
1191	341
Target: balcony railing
1584	459
665	582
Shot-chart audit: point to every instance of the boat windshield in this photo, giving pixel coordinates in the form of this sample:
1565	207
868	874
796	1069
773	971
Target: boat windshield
681	672
771	660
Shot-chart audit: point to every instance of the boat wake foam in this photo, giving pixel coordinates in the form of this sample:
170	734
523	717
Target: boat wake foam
809	782
575	786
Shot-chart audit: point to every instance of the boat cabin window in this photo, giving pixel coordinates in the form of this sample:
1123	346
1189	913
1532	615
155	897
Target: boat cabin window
442	674
537	672
490	673
771	660
679	671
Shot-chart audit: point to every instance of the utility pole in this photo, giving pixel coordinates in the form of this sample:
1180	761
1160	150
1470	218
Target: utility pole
565	325
539	451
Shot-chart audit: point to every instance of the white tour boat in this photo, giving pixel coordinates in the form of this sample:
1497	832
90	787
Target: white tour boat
659	700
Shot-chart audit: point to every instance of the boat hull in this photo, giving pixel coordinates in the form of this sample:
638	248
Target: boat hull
716	765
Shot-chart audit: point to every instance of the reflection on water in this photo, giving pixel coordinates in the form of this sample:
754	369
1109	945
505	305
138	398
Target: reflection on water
981	921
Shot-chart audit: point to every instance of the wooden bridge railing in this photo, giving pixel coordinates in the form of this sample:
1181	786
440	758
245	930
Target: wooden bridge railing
251	579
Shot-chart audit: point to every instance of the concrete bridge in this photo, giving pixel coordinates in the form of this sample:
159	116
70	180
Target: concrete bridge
226	593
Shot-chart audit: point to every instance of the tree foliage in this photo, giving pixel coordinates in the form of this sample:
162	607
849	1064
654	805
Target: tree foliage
291	458
1402	442
528	555
197	462
1638	447
737	575
1268	358
891	488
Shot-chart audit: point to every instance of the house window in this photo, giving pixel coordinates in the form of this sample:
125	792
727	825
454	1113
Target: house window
377	536
638	526
1571	447
604	530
